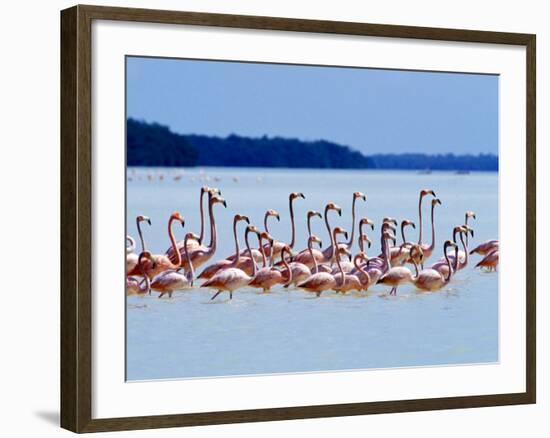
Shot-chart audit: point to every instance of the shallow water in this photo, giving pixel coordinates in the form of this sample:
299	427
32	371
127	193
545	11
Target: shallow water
288	331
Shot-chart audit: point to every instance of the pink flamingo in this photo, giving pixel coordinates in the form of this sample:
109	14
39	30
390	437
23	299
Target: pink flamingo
132	258
304	257
268	276
328	253
396	275
490	261
209	271
345	282
162	262
428	250
400	254
300	271
363	276
486	247
133	284
199	255
279	245
356	196
318	282
169	281
467	216
423	193
233	278
257	254
431	279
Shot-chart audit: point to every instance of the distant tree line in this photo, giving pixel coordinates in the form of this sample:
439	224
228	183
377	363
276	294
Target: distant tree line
155	145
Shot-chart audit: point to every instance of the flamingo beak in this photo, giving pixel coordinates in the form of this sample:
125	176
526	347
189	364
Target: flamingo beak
438	201
224	203
278	216
345	234
301	195
246	219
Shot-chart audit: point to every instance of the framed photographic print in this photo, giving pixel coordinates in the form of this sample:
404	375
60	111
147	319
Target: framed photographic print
269	218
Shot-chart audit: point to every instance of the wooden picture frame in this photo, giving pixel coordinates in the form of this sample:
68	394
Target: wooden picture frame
76	222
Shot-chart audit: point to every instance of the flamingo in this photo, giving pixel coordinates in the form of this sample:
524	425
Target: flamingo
169	281
428	250
162	262
209	271
345	281
424	192
400	254
441	265
279	245
209	190
396	275
356	196
233	278
363	276
490	261
131	256
268	276
199	255
329	252
431	279
270	213
300	271
304	257
467	216
195	247
133	284
486	247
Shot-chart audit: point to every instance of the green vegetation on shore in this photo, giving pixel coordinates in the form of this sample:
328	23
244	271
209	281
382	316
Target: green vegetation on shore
155	145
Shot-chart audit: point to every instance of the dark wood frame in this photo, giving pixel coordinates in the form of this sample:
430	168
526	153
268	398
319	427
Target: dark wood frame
76	226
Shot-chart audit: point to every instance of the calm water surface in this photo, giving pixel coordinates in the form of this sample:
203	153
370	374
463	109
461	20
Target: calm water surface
288	331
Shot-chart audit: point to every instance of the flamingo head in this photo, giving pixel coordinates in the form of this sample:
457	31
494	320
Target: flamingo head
176	216
205	189
390	220
264	235
387	235
436	201
388	226
365	238
339	230
466	229
214	191
252	229
362	256
218	200
312	213
470	214
366	221
240	217
449	243
295	195
360	195
344	251
142	218
147	255
416	253
333	206
273	213
315	239
406	222
425	192
192	236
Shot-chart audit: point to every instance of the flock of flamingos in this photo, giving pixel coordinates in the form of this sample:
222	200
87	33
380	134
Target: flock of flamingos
274	262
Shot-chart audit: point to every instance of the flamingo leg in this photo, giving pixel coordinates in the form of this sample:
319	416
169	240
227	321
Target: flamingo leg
161	294
216	294
230	294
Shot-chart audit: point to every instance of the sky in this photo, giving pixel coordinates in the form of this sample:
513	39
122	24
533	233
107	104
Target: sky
370	110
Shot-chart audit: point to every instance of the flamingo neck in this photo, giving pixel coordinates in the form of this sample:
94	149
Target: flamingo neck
237	249
293	237
352	235
449	265
247	242
387	255
201	203
360	268
265	223
174	244
189	262
329	234
465	247
403	233
287	267
143	273
310	248
213	231
262	251
337	255
309	226
432	246
420	220
138	223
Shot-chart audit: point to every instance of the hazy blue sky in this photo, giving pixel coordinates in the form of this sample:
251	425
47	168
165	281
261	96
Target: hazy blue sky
369	110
